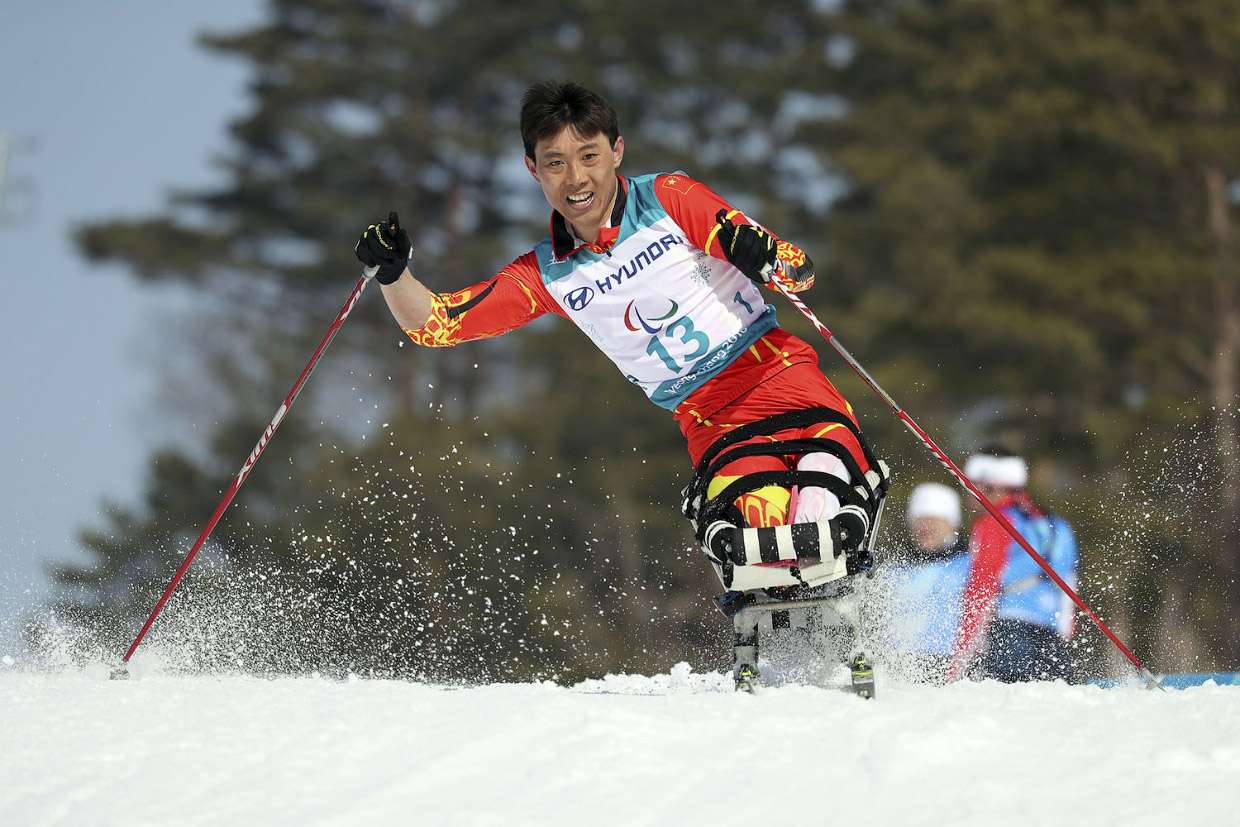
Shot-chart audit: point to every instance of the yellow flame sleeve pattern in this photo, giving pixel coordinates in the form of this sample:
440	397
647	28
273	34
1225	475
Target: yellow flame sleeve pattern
794	271
479	312
441	329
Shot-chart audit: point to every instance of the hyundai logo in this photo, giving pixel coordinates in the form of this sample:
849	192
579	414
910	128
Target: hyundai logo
579	298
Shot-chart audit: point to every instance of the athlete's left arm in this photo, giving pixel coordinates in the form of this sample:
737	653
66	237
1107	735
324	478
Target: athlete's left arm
693	206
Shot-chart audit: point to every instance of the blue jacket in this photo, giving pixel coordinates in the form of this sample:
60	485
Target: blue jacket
1026	592
924	602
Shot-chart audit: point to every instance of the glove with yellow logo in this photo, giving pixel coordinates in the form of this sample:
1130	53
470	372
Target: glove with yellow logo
385	249
748	248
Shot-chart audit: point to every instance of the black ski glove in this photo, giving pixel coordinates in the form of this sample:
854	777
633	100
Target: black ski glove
385	250
749	248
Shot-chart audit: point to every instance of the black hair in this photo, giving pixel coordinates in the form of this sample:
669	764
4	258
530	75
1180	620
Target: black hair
549	106
995	449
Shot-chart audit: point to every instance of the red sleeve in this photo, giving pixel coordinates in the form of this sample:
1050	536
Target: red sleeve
693	206
513	297
988	549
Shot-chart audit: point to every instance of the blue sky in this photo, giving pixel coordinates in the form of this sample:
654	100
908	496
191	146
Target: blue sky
108	107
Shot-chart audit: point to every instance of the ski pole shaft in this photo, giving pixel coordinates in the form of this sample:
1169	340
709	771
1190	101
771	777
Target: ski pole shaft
251	460
959	475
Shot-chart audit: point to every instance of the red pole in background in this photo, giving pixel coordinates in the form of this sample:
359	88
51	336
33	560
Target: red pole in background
121	671
1149	677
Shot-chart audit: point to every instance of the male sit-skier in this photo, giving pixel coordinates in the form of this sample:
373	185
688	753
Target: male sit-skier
662	274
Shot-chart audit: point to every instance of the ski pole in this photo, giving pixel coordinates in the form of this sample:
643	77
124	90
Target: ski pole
1149	677
121	671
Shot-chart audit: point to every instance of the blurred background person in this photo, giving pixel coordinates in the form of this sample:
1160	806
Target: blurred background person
1016	621
933	518
926	578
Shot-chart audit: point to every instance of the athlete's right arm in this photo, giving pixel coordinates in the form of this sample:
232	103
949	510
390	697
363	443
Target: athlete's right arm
409	300
516	295
511	298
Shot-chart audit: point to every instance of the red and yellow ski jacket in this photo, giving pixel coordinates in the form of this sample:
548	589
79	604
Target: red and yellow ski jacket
655	294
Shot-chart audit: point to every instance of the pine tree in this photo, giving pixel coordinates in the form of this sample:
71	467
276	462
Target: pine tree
487	511
1037	211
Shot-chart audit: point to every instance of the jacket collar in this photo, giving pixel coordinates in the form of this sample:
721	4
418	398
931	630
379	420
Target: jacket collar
1019	499
564	243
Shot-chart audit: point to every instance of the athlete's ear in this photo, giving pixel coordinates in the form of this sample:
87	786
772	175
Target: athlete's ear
618	149
532	167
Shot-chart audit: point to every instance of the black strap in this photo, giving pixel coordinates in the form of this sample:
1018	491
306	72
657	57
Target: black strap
781	422
785	479
793	447
726	450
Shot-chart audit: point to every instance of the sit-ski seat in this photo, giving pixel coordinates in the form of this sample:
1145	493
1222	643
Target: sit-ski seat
789	576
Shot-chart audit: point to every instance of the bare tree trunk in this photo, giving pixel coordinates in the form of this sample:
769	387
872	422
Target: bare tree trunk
1226	385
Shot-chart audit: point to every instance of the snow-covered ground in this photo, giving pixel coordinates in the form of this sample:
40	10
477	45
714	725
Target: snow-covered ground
676	749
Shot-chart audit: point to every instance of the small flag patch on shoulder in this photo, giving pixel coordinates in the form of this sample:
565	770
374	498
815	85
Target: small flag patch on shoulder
680	183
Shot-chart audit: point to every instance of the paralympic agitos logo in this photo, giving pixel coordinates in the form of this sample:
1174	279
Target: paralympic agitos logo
631	313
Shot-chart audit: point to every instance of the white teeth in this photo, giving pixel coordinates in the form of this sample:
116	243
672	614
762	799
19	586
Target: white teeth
579	199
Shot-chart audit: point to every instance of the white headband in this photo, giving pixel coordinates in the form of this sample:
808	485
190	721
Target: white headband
1002	472
932	499
935	500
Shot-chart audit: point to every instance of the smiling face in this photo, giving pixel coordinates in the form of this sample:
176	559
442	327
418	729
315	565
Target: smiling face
578	176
